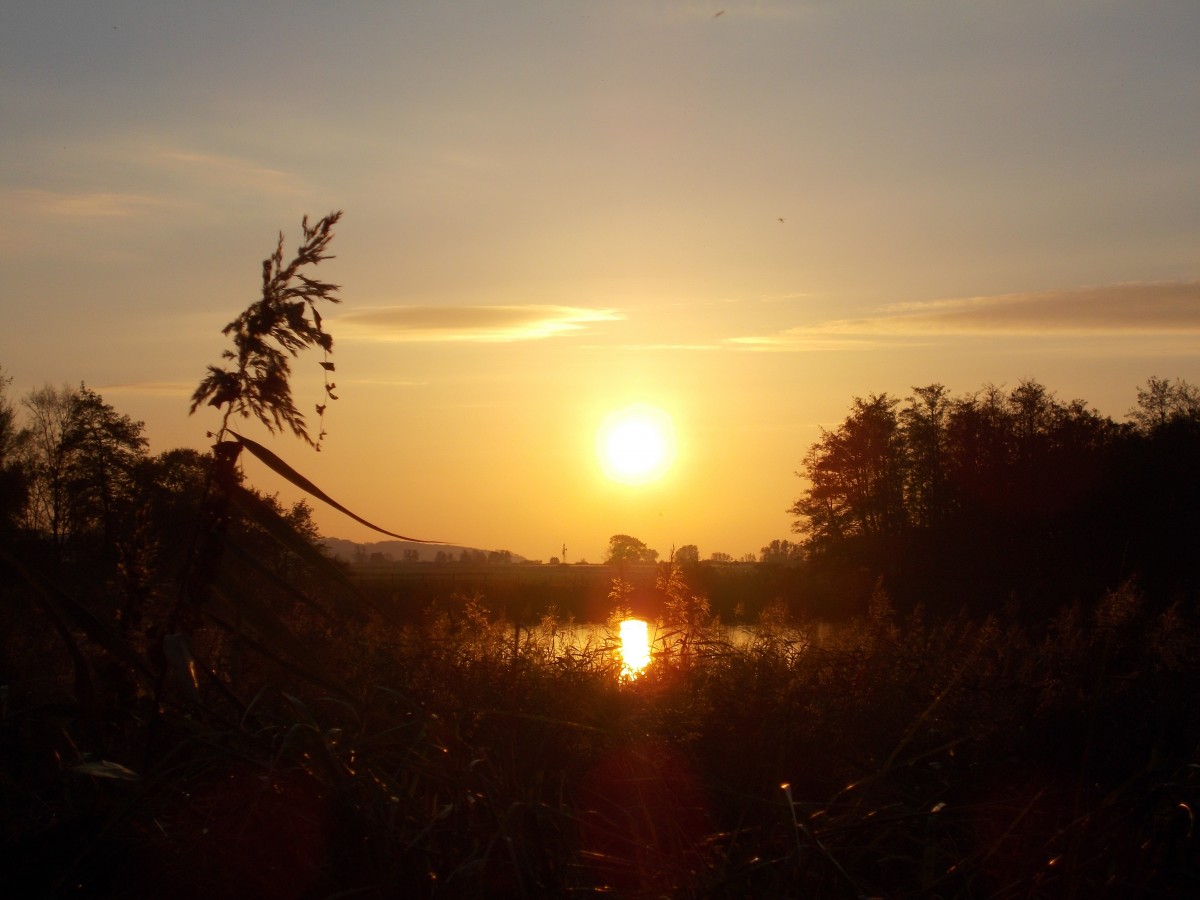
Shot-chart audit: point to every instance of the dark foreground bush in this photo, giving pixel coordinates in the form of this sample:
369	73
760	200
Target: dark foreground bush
895	759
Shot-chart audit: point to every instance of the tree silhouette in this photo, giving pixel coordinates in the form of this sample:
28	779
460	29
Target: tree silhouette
47	411
781	553
105	451
857	477
13	479
624	548
1162	401
997	492
923	424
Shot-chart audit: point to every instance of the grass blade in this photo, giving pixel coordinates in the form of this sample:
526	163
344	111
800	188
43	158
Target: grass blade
278	466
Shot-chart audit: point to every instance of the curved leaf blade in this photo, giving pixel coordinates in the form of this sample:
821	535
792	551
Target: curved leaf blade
278	466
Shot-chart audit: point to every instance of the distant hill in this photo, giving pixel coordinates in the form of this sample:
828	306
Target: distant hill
355	551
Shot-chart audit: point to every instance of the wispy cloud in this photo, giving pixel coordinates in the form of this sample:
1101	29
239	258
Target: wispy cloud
185	172
795	340
477	324
229	170
384	382
1134	309
689	348
1154	308
150	388
81	204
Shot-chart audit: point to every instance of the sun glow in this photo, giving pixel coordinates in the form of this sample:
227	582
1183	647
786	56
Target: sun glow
636	444
635	647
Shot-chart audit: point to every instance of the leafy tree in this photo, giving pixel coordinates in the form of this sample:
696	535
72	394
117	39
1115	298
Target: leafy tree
1019	451
175	484
623	548
1006	492
857	477
1162	481
83	459
979	449
927	478
782	553
687	555
721	557
104	451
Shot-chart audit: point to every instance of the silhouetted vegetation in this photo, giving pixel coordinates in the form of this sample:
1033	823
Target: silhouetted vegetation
624	549
1002	496
196	702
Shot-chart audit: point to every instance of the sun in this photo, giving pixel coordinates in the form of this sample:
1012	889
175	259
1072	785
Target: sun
636	445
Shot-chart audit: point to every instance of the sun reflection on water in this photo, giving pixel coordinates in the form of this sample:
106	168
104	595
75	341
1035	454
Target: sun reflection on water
635	647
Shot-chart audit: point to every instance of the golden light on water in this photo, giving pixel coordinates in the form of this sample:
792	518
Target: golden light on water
635	647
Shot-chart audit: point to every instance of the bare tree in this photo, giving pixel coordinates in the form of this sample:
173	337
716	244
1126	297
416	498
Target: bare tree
1162	401
48	415
13	480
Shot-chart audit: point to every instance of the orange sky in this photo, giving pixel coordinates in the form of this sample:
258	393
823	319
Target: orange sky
556	209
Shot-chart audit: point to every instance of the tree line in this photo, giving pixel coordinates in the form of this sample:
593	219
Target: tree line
1002	496
82	496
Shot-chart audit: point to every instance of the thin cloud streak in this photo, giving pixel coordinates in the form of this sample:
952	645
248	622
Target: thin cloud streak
150	388
230	171
187	172
468	324
1137	309
688	348
1158	308
385	382
793	342
81	204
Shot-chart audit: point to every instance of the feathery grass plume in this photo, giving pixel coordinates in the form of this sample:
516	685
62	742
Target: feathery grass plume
280	324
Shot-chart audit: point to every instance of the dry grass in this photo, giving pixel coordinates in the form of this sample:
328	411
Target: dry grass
901	759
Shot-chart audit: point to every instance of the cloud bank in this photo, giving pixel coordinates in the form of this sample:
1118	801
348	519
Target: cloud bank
1139	309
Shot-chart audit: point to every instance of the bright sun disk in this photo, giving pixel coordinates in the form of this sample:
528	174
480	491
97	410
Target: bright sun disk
636	444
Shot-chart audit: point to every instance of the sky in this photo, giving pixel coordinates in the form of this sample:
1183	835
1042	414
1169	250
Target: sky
744	214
